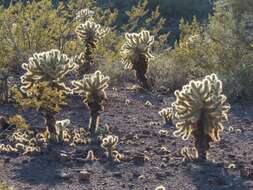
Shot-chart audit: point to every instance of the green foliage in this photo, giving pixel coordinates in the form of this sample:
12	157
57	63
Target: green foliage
4	186
201	109
222	47
92	89
136	54
19	122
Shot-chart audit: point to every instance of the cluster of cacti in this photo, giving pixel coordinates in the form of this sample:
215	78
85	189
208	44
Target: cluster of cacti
44	84
92	89
187	154
136	54
167	114
109	143
89	33
201	109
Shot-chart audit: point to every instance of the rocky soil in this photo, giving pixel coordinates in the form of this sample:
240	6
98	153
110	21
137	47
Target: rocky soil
144	166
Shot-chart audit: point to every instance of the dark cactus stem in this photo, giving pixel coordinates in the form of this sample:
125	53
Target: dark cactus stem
4	89
88	60
93	123
50	124
141	69
201	139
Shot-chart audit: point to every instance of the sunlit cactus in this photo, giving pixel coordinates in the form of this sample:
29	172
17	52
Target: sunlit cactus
136	53
109	143
50	66
167	114
92	89
43	83
201	109
90	33
84	15
60	130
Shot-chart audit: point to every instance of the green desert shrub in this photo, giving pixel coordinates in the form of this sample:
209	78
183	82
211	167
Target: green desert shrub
223	47
201	110
92	89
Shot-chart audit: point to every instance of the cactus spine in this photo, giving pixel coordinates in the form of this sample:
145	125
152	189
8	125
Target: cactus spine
44	79
92	88
90	33
136	54
201	109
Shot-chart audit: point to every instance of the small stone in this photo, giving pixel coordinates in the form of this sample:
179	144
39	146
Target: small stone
117	174
84	175
62	175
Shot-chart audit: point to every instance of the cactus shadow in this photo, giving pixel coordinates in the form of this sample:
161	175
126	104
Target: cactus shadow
39	169
211	176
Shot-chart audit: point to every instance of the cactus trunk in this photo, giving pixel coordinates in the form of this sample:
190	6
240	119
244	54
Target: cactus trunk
94	121
4	89
88	62
50	122
141	70
201	139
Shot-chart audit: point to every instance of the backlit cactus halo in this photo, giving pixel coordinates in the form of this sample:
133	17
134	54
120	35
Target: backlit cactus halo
136	53
92	89
84	15
201	110
50	67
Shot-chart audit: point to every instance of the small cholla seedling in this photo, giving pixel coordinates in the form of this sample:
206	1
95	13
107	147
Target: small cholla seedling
89	33
109	143
167	114
201	109
44	85
161	187
84	15
148	104
92	89
136	54
60	129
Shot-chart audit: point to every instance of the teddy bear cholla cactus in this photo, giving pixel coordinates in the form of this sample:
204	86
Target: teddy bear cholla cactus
50	66
109	143
201	109
90	33
92	88
84	15
44	84
136	54
167	114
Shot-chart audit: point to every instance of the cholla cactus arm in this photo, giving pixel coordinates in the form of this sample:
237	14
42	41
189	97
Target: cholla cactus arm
201	110
90	32
50	67
84	15
136	53
92	88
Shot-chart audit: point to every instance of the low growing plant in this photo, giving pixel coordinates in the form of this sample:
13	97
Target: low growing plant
109	143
